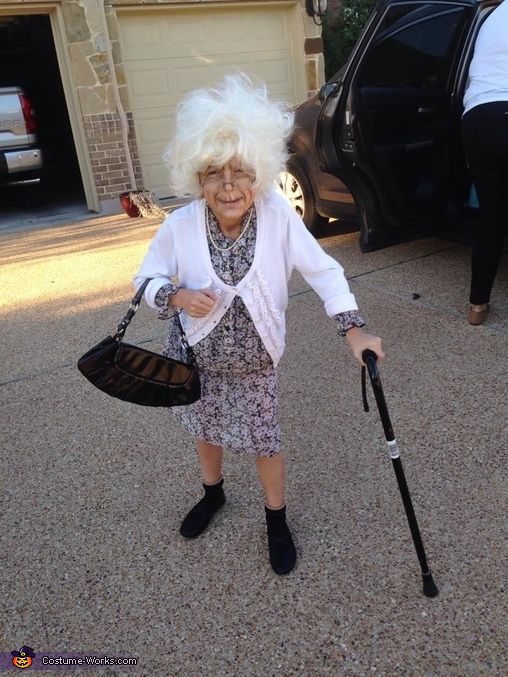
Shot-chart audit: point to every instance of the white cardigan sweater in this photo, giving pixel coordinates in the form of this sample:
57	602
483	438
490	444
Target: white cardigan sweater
283	243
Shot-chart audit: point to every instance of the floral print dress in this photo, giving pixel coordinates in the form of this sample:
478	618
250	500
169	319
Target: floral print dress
238	405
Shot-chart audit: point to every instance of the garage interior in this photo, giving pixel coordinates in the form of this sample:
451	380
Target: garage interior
29	60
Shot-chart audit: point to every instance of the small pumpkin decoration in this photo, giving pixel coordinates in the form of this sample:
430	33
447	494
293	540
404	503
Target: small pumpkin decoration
23	658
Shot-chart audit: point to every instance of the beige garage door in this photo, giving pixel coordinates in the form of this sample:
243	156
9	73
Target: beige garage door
166	54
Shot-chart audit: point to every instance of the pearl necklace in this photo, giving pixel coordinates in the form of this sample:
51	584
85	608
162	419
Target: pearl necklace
235	242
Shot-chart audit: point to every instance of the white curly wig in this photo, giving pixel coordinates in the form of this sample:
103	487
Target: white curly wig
236	119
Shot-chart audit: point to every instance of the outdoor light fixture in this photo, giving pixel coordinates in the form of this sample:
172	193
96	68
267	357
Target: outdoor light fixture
316	9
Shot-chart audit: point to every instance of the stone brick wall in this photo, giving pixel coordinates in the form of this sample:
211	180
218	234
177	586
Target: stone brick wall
92	78
313	49
107	153
87	49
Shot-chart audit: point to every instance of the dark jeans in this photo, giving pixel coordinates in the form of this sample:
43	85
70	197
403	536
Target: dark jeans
485	138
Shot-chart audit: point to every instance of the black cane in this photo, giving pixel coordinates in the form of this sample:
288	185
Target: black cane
369	357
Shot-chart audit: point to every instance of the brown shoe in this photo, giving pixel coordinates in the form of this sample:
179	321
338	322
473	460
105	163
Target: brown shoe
478	313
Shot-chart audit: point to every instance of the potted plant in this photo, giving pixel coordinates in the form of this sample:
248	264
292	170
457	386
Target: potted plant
140	203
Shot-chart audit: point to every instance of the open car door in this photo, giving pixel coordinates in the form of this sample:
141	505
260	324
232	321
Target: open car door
386	130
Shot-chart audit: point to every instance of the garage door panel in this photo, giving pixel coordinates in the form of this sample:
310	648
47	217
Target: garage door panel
218	34
219	70
179	27
263	31
157	175
272	69
151	86
146	38
166	55
189	77
141	36
247	32
275	70
151	83
154	86
152	132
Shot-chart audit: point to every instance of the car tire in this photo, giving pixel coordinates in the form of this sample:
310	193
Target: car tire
296	188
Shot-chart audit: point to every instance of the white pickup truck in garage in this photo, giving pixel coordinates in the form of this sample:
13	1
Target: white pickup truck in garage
20	156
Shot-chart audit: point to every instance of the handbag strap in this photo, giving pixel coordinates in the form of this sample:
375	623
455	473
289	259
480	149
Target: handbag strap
136	300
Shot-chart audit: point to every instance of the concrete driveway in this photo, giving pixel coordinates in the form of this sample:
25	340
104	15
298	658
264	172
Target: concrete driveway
94	489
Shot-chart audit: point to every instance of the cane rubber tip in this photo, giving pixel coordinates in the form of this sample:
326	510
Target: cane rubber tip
430	589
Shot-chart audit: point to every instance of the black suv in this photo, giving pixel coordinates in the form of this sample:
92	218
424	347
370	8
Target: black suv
380	145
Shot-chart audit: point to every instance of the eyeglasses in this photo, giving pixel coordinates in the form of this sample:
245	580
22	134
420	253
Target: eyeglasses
217	179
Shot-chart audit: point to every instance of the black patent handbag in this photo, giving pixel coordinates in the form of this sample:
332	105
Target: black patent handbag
136	375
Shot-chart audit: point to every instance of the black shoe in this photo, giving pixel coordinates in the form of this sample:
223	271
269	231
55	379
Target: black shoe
282	553
199	517
280	542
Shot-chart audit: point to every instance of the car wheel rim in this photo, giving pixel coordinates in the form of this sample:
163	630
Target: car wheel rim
292	191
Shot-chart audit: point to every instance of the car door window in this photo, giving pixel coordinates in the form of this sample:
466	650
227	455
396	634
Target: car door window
413	49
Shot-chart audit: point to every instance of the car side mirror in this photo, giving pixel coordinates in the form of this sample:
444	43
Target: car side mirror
327	90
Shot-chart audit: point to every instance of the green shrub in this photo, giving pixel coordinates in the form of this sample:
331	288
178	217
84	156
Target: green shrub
341	30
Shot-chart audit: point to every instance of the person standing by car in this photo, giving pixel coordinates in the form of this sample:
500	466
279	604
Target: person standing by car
485	138
233	249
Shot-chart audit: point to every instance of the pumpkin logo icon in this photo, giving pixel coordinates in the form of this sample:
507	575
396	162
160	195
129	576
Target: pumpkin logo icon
23	658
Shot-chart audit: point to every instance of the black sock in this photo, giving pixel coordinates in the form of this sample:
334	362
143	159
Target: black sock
213	492
276	521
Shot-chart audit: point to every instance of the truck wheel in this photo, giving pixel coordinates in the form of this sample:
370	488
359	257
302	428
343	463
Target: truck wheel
296	188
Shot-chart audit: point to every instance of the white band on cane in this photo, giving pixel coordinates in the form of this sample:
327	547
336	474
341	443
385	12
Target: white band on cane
393	448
